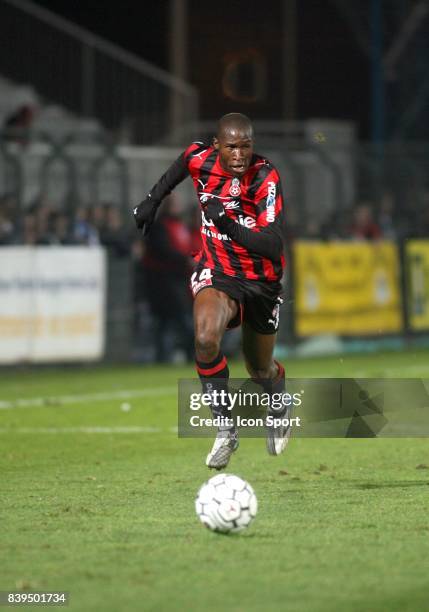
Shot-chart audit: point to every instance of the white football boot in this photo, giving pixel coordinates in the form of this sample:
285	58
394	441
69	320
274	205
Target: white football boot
278	437
225	444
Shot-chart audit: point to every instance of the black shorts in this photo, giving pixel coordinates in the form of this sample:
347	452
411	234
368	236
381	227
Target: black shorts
259	301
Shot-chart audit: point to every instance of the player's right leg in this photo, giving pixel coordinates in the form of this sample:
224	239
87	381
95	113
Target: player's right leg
213	310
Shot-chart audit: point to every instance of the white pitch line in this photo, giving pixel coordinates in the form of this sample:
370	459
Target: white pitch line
86	397
87	430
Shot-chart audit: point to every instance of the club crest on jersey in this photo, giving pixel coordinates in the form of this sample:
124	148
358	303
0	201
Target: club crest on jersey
235	188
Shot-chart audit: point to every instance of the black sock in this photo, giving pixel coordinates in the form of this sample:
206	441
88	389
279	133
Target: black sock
274	385
214	376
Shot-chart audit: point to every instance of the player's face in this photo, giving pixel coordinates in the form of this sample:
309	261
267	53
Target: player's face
235	151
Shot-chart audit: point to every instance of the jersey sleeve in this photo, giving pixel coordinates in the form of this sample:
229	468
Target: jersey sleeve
267	242
176	173
194	150
269	202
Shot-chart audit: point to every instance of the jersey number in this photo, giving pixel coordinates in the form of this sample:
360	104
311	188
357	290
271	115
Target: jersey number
202	279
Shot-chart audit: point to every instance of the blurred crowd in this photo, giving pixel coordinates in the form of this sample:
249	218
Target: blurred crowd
44	224
104	224
369	221
161	264
360	223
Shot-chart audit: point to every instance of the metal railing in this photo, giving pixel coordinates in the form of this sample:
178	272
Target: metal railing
322	185
90	76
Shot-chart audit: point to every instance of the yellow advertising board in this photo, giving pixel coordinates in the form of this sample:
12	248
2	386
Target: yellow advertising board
346	288
417	268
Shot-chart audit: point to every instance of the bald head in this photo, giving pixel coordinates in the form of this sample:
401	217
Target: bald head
234	143
236	123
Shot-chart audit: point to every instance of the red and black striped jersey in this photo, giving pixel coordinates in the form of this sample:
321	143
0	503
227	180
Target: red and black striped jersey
254	201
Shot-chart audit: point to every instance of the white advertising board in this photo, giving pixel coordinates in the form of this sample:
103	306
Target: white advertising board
52	304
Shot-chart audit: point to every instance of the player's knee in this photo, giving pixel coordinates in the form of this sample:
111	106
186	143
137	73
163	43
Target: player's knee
207	345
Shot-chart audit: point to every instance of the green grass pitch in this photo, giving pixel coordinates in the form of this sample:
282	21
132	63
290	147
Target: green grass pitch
106	512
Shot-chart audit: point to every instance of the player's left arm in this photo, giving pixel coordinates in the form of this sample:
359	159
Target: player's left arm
267	237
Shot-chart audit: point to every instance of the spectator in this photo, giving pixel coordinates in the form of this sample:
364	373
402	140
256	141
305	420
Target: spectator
194	225
386	217
28	235
363	225
83	230
60	233
166	266
97	217
42	212
115	236
313	230
18	122
424	222
7	227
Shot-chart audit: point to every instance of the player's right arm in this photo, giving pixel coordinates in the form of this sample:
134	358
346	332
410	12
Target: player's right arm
266	239
144	213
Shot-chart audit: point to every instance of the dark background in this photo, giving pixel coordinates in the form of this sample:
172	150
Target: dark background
332	72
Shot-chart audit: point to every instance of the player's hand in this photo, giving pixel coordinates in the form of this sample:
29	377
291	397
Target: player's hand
144	214
213	210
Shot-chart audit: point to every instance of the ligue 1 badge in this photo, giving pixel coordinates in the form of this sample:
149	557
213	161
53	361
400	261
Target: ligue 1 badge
235	188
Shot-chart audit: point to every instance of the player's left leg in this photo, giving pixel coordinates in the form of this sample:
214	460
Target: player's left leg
258	349
258	352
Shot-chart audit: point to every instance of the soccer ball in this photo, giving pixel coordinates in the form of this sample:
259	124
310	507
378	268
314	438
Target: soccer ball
226	503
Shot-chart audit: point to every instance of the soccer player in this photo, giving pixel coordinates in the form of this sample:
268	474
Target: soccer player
240	265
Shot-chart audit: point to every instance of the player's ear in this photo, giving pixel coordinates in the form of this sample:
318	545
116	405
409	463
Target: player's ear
216	143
